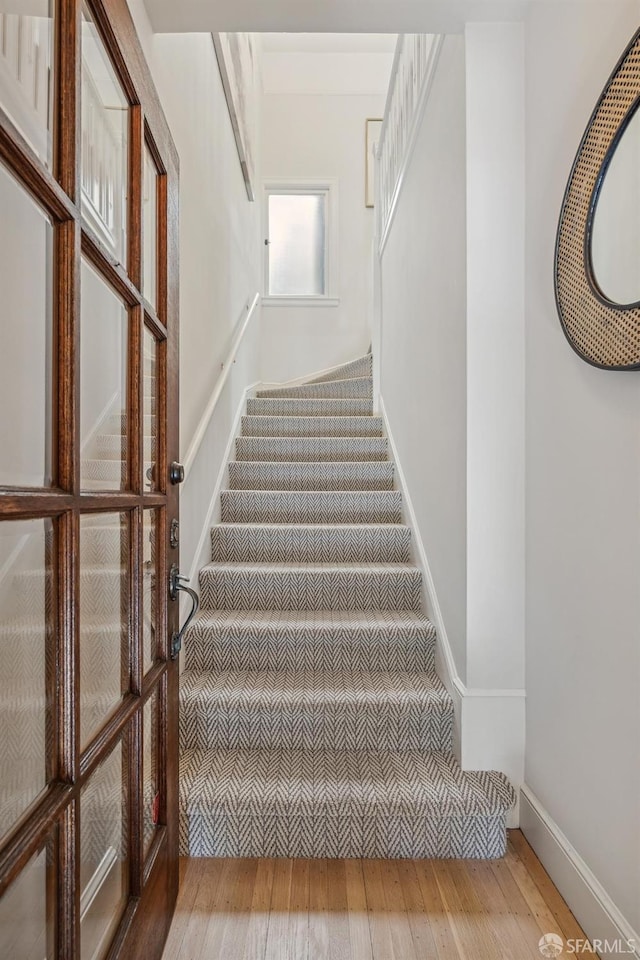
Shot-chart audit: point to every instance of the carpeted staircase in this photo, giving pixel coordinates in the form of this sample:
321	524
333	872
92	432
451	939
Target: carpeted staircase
313	723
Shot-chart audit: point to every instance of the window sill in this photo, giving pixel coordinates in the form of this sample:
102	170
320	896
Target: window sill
300	301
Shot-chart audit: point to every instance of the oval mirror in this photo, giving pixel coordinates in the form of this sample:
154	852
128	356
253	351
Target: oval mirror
597	261
615	231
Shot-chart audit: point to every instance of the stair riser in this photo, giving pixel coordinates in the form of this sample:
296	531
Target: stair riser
310	590
308	407
245	475
281	543
262	651
361	388
268	507
311	426
242	833
312	449
319	726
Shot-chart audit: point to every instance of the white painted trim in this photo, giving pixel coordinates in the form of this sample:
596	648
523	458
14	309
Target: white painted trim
451	679
434	56
489	725
203	425
592	906
218	486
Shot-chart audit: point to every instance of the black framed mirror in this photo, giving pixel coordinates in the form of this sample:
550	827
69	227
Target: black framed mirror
597	260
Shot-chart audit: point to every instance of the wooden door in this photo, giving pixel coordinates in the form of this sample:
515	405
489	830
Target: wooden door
88	514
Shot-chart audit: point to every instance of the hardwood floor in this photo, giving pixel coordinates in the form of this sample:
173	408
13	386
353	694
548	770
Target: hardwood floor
368	909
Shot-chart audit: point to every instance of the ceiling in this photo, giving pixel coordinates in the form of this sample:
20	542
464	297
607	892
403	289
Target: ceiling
328	16
329	42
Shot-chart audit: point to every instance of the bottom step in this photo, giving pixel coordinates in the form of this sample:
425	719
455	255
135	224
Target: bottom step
244	803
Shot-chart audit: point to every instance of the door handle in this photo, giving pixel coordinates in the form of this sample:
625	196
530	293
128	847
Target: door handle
177	584
176	472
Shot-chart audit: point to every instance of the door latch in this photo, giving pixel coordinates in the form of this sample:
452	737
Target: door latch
174	534
177	584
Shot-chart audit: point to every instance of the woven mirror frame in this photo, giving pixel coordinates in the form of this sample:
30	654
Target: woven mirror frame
603	333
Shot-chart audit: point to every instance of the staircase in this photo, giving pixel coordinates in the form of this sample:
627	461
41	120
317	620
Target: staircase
313	723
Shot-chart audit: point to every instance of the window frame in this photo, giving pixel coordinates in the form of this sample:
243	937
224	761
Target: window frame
322	185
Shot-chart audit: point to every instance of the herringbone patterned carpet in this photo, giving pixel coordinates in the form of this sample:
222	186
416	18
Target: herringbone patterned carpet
313	723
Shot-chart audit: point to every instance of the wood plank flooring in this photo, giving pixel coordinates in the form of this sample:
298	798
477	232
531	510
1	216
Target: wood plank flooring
368	909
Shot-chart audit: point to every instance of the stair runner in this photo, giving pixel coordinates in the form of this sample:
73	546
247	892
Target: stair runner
313	723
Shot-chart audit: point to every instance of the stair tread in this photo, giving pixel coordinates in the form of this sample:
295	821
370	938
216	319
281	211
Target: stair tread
314	475
339	783
310	406
307	567
307	688
312	527
321	620
313	449
310	426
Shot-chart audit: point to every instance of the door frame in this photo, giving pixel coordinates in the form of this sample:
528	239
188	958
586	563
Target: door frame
153	882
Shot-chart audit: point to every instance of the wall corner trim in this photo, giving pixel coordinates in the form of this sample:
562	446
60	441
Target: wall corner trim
592	906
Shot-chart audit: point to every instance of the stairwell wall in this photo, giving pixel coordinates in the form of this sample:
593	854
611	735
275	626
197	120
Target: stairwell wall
219	251
423	356
582	505
314	111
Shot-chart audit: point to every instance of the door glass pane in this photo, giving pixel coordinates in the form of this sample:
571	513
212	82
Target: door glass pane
26	548
150	226
297	245
103	385
150	410
105	131
26	241
26	924
104	868
149	588
104	603
151	797
26	70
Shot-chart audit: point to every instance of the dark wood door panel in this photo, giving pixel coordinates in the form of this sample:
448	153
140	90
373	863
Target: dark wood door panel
84	603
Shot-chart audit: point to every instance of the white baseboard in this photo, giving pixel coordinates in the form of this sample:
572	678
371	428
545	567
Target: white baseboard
591	905
489	729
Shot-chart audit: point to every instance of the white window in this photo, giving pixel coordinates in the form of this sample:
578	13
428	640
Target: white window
299	244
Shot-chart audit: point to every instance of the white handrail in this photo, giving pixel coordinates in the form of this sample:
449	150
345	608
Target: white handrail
201	430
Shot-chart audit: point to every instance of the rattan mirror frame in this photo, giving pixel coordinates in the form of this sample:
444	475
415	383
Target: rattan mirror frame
603	333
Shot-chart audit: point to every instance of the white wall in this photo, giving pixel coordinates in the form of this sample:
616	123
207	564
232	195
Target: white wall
219	227
423	363
583	494
495	355
219	245
314	111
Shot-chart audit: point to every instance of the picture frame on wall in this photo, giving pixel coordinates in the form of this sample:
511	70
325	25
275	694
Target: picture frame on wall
236	56
373	129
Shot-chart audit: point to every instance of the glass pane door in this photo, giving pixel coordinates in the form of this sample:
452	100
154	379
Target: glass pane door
89	422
